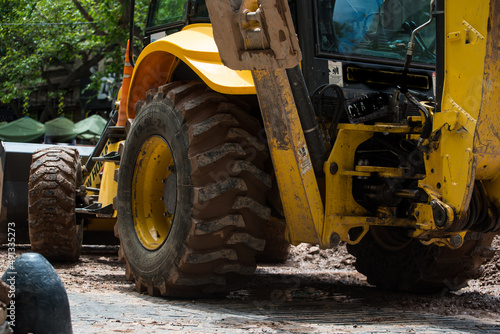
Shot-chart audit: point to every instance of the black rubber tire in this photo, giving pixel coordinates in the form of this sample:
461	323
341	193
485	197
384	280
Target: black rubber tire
216	228
277	247
40	296
55	231
418	268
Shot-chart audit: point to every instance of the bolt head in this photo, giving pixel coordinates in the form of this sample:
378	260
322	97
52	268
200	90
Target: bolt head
456	240
334	168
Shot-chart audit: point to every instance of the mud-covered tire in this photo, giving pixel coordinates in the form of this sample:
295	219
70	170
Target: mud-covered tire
419	268
55	231
277	248
216	226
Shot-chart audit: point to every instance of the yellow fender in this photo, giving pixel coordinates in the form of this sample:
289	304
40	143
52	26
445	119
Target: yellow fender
195	46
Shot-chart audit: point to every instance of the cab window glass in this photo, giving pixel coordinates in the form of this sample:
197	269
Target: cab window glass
166	11
377	28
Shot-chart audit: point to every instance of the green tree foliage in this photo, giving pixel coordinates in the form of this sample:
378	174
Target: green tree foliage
36	35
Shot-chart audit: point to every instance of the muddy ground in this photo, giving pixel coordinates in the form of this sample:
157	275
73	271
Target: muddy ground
315	291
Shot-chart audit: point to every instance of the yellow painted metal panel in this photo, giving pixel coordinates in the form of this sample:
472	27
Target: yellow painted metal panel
339	202
487	136
297	183
108	184
450	169
195	46
221	78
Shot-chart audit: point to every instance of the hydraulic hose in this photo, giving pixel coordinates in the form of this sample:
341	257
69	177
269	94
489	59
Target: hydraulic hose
312	132
409	52
427	128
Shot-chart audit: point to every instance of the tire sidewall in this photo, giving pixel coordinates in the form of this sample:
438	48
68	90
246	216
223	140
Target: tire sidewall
156	119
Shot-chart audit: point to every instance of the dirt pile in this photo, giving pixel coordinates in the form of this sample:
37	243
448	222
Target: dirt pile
308	256
491	275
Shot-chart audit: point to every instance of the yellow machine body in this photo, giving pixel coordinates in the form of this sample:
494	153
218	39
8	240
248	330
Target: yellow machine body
102	177
452	161
411	185
463	146
194	46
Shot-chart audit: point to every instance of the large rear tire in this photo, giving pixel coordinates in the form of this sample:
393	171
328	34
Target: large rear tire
191	193
393	262
277	248
54	229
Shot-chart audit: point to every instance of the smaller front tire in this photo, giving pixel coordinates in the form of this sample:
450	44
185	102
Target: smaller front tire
54	230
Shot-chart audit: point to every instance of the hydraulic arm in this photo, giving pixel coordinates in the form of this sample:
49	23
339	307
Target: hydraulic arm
267	48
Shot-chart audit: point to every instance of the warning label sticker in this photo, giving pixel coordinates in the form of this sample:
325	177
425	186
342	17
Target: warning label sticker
335	73
304	160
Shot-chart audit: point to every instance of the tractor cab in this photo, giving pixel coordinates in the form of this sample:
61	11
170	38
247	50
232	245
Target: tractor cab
168	16
359	45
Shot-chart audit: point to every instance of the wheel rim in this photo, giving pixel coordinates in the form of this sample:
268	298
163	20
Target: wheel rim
154	165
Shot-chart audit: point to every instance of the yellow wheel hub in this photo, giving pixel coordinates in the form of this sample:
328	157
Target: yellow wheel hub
154	165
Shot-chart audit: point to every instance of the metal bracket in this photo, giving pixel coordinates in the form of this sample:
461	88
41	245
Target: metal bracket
109	157
457	119
453	241
97	209
247	41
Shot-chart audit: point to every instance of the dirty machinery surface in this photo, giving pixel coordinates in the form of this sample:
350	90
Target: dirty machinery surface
384	138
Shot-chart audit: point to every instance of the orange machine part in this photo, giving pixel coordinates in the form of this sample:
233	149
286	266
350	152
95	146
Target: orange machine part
127	75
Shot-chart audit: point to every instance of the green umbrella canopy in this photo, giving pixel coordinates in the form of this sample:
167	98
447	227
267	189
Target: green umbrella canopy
90	127
22	130
60	129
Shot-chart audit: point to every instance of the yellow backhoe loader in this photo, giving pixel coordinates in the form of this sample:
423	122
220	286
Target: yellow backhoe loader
368	122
